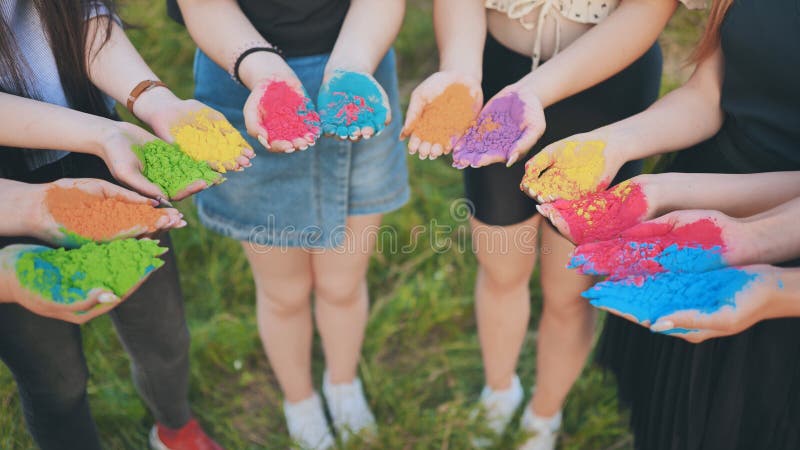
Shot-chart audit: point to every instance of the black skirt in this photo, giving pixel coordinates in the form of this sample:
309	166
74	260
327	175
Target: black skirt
735	393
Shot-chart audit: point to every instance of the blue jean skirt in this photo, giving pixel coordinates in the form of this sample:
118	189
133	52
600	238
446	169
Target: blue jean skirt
302	199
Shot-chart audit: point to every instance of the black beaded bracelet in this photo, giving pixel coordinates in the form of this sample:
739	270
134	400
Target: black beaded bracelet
244	54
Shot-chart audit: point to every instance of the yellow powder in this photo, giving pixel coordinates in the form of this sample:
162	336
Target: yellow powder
212	140
576	170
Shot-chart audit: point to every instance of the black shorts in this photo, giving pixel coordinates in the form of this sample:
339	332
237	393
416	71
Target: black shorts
494	190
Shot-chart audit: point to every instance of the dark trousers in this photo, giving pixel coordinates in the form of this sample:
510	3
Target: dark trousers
46	355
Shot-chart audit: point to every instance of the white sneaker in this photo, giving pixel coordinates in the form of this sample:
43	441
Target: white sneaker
307	424
544	430
348	407
498	407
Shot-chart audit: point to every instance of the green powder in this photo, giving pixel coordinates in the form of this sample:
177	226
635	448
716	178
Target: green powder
171	169
67	276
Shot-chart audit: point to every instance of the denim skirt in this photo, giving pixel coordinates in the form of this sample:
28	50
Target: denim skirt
302	199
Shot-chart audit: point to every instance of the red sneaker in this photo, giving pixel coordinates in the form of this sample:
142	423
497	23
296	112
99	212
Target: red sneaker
190	437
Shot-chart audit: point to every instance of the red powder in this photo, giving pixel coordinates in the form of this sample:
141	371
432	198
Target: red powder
605	214
635	251
351	111
286	114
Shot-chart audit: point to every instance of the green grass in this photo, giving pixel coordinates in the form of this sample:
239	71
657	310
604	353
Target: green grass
421	363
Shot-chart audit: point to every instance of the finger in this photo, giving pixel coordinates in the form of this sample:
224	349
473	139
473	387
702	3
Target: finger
378	127
119	192
133	231
252	121
413	144
300	144
92	299
243	161
414	112
192	188
134	179
248	152
436	151
555	218
486	159
169	218
367	132
424	150
329	129
536	165
262	139
281	146
524	145
226	165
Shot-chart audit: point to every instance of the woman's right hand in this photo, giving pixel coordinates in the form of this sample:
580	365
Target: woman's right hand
573	167
98	301
453	117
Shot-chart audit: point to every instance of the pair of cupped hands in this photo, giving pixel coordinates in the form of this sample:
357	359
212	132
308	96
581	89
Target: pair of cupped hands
37	221
737	246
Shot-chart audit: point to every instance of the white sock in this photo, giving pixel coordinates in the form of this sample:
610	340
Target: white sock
533	422
499	406
348	407
307	424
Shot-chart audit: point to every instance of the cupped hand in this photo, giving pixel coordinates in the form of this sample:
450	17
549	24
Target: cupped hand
352	105
43	224
506	129
123	163
98	301
573	167
441	109
753	303
603	215
183	121
280	114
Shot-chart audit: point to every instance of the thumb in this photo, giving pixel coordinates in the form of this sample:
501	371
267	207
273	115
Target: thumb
133	178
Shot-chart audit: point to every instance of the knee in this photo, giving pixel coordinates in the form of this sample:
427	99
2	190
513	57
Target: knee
504	278
57	393
286	297
338	291
564	301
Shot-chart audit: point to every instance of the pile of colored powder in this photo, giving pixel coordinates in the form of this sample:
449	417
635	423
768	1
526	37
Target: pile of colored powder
214	141
350	101
443	120
67	276
652	248
605	214
98	218
287	114
649	298
494	134
577	171
171	169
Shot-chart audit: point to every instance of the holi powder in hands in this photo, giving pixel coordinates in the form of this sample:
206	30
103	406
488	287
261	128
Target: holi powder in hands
576	172
655	296
651	248
97	218
67	276
171	169
605	214
444	120
287	114
350	101
214	141
493	135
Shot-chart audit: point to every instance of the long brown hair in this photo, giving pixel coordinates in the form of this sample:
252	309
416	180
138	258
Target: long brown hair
67	30
710	40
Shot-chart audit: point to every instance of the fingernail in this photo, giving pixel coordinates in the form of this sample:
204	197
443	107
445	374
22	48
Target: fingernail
263	141
291	150
181	224
163	201
511	161
661	326
107	297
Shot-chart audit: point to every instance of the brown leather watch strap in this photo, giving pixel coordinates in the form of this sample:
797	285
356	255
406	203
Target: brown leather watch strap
141	88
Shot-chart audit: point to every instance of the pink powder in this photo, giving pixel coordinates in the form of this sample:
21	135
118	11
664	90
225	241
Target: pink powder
286	114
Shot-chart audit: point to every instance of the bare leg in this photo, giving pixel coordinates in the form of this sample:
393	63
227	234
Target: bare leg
566	329
342	301
506	258
283	296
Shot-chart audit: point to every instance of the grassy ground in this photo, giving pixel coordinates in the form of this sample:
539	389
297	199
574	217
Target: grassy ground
421	363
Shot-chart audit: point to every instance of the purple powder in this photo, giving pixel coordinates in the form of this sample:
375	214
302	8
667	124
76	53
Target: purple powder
494	133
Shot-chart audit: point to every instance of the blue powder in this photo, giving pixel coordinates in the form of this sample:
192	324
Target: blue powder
635	262
679	331
652	297
690	259
350	101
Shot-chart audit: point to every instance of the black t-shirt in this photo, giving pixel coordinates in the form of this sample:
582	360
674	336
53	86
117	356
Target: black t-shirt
761	89
298	27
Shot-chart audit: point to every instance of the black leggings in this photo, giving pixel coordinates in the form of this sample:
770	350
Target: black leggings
46	355
494	189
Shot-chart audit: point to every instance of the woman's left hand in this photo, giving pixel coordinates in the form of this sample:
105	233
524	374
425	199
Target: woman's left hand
352	105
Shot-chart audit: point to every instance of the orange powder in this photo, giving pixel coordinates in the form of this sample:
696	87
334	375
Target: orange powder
95	217
445	119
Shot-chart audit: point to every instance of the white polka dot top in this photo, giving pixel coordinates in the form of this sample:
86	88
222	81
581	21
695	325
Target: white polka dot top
581	11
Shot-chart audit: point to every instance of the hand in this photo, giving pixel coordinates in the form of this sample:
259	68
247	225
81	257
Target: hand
98	301
352	105
176	120
40	213
682	241
441	109
280	114
602	215
573	167
732	300
506	129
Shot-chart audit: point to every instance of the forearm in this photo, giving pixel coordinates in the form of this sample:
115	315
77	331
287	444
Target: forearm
17	206
368	31
32	124
774	233
621	38
684	117
736	195
460	35
785	298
